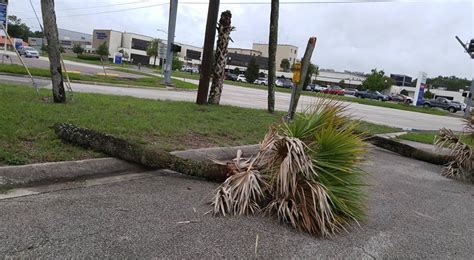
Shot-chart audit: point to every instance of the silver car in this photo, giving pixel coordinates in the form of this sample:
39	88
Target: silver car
28	52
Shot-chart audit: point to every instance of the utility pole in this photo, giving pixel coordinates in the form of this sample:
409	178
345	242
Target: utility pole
171	32
208	52
295	93
469	48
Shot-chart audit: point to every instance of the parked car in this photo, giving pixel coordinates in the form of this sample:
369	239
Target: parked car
241	78
401	98
372	95
231	76
443	103
350	91
284	83
261	81
318	88
334	90
463	105
28	52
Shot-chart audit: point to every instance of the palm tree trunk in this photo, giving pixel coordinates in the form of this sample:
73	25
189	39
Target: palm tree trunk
224	30
272	48
54	54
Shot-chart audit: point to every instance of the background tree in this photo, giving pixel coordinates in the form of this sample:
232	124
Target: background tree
377	81
285	65
427	95
313	70
404	92
252	71
236	71
54	54
77	49
177	63
452	83
272	48
342	83
103	51
152	49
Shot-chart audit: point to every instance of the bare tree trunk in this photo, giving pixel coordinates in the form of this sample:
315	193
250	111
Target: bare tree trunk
54	54
272	49
147	156
304	69
224	30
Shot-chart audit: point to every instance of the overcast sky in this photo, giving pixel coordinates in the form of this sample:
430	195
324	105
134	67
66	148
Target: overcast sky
401	37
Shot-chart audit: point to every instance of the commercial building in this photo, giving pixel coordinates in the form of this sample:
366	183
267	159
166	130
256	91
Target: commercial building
346	79
249	52
134	46
284	51
401	80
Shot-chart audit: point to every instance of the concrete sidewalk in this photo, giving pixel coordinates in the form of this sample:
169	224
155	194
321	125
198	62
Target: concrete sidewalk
413	213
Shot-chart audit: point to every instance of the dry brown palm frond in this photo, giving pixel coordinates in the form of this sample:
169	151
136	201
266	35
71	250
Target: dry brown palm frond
462	153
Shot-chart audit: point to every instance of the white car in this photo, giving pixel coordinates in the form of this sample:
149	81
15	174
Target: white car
28	52
261	81
241	78
318	88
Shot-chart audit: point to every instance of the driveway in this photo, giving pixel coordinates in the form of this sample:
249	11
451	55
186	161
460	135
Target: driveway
413	212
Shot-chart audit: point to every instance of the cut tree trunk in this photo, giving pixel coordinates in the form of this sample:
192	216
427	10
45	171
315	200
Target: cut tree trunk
272	48
54	54
152	157
224	30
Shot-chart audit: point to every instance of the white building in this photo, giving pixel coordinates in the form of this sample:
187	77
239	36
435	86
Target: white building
134	46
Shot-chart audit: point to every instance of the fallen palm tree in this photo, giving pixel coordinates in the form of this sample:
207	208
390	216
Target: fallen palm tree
152	157
306	172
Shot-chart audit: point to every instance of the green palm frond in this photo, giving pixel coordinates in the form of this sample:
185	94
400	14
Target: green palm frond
306	172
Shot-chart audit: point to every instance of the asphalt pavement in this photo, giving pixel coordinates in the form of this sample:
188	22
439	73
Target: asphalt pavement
413	212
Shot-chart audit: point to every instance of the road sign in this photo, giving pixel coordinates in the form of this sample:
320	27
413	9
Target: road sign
420	89
3	15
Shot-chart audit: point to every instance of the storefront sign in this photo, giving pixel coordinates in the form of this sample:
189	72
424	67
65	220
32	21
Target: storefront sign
420	89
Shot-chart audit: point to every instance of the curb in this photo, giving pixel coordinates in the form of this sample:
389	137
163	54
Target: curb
26	175
14	176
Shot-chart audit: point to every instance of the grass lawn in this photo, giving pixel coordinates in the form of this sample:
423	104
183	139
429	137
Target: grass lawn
149	81
370	102
427	137
26	136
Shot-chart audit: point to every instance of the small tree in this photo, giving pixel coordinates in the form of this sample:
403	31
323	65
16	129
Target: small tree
377	81
77	49
252	71
102	51
236	71
404	92
427	95
152	49
285	65
261	75
177	63
61	49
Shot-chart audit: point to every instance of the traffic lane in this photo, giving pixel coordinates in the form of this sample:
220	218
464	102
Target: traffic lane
413	213
83	68
24	80
254	98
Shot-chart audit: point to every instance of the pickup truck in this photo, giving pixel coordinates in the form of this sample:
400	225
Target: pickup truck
443	103
372	95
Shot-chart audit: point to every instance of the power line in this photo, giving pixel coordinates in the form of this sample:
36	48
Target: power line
224	3
93	7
